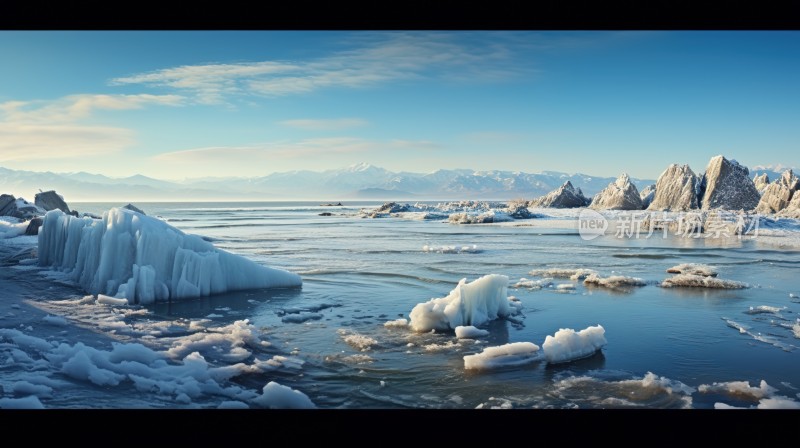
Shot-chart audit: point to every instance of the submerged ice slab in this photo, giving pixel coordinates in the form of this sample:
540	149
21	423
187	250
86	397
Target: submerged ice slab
470	332
471	303
507	355
567	344
143	259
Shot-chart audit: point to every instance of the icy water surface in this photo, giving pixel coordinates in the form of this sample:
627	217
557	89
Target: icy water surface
328	339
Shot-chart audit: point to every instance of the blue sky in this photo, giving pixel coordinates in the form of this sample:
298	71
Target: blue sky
184	104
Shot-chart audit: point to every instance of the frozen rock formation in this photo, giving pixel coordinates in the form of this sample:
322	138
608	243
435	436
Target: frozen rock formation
777	195
19	208
565	196
50	200
134	208
144	260
676	189
647	195
761	182
619	195
728	186
793	209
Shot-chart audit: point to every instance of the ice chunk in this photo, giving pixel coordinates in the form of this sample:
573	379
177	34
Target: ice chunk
55	320
469	332
614	281
471	303
507	355
141	258
694	269
532	284
356	340
102	298
451	249
572	274
565	287
778	402
567	345
699	281
741	389
232	404
277	396
397	323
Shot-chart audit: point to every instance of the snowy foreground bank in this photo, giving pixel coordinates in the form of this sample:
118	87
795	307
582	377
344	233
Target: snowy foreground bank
143	259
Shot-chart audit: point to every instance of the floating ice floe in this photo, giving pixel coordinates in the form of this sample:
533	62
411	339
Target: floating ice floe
397	323
471	303
565	287
694	269
739	389
277	396
649	391
533	284
700	281
762	309
572	274
357	340
567	345
451	249
470	332
483	218
185	378
744	329
131	256
614	281
507	355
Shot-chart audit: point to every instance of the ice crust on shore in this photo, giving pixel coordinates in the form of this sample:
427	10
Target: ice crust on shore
131	256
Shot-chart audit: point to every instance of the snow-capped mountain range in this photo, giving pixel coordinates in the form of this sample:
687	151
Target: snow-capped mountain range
360	181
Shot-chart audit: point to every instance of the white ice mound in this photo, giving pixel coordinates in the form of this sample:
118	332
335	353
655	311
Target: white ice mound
143	259
700	281
507	355
694	269
278	396
472	303
614	281
567	345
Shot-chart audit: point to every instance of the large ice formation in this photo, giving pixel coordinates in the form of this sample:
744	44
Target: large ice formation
143	259
567	344
471	303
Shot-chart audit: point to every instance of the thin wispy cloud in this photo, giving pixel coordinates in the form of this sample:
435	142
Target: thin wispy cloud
334	124
377	58
44	130
290	150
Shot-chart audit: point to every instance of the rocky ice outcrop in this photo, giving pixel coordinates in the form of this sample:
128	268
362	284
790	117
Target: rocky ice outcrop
618	195
647	195
19	208
50	200
565	196
676	189
728	186
793	209
144	260
134	208
761	182
777	195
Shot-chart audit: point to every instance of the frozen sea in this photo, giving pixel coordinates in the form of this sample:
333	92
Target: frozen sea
666	347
